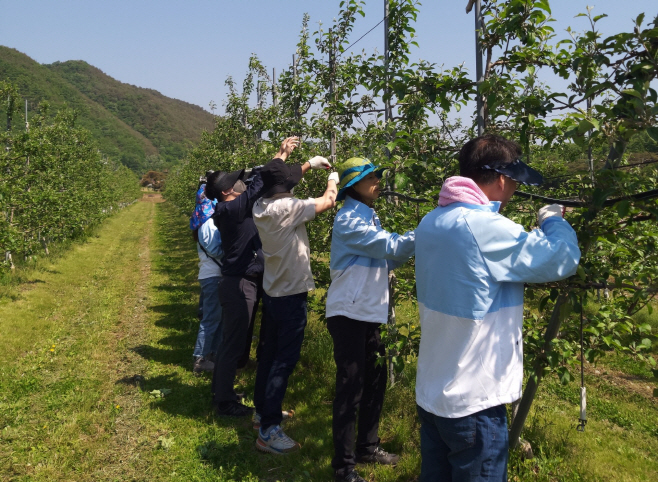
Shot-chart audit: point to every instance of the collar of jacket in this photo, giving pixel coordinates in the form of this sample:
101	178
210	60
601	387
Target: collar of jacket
357	206
493	206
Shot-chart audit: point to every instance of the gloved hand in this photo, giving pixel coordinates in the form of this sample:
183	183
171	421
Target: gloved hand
334	177
319	162
548	211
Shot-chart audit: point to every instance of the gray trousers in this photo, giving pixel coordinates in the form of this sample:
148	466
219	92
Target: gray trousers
239	297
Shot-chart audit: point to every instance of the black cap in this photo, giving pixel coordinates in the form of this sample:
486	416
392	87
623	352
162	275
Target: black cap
279	177
519	171
220	181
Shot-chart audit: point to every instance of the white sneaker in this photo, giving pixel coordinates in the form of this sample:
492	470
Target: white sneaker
284	415
276	442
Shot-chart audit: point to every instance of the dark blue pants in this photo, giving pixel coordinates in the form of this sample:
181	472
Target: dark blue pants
282	343
472	448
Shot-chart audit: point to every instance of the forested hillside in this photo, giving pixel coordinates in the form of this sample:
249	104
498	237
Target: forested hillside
172	125
139	127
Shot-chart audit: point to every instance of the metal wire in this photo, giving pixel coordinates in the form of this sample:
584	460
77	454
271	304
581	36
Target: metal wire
361	37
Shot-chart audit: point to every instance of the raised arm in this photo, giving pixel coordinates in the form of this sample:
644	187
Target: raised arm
328	199
542	255
364	239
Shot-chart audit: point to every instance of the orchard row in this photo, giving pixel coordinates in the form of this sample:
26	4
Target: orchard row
54	182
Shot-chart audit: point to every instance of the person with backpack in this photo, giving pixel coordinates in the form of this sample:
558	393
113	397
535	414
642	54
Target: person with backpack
209	251
362	254
242	275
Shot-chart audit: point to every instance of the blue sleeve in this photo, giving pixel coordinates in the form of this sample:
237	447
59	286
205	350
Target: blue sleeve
514	255
210	240
358	237
394	264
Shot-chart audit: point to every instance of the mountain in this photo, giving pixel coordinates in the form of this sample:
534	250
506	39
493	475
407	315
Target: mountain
140	127
172	125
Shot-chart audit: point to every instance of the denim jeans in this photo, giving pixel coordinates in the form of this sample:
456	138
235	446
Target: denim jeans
210	332
283	336
470	448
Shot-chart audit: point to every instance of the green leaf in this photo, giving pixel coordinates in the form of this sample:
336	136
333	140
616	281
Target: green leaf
653	133
544	5
623	207
633	92
584	126
565	376
640	19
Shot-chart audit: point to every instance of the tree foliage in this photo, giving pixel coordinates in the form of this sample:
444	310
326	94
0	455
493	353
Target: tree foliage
54	182
580	136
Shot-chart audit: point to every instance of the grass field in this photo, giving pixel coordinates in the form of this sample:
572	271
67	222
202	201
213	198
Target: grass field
92	341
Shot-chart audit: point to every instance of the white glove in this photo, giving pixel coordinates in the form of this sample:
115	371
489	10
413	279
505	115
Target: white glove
319	162
548	211
334	177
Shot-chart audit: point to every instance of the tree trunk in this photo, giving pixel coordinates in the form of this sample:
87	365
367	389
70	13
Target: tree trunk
533	382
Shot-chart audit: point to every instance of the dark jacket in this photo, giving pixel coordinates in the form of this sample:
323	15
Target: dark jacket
243	255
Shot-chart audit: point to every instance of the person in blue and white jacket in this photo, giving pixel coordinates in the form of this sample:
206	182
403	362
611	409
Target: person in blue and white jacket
471	266
209	249
362	253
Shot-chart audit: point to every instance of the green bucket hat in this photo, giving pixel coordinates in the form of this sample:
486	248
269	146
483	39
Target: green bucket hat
352	171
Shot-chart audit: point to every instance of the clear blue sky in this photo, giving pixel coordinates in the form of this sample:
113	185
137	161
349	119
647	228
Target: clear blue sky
186	49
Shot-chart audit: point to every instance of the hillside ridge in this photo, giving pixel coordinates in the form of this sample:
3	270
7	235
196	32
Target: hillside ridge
140	127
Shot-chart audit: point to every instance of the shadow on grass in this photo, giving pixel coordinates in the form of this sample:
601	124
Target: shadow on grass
227	444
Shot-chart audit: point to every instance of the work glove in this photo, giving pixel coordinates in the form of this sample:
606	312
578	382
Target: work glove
319	162
334	177
548	211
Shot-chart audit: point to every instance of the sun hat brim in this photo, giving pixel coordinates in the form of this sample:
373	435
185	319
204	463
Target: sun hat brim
379	171
518	171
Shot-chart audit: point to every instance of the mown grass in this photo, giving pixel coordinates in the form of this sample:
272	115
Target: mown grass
62	413
123	321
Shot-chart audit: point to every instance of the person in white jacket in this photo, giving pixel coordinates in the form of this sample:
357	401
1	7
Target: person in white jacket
209	249
471	266
362	253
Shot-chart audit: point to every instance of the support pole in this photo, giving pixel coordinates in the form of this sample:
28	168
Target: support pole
387	102
274	99
332	92
9	109
296	101
478	67
590	159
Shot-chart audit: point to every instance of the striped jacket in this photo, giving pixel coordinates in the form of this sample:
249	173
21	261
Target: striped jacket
471	265
362	253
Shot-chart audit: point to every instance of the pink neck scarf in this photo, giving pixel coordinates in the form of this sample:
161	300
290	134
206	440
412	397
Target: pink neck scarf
459	189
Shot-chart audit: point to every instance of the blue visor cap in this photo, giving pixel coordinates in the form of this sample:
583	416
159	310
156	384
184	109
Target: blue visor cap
519	171
349	177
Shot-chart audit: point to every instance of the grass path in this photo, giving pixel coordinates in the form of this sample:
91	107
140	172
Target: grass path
96	337
64	347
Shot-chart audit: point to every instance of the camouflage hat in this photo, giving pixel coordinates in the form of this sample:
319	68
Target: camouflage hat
352	171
